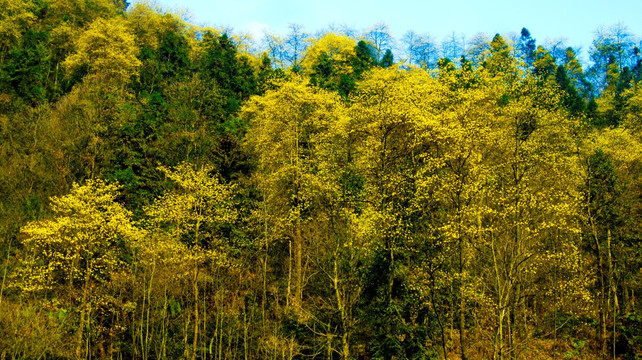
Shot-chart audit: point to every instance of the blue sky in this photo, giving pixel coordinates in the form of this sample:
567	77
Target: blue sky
575	20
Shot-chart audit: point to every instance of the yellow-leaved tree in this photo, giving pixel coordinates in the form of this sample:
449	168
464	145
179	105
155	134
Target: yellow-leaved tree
530	231
149	24
14	16
187	221
394	135
108	50
329	62
338	48
87	242
298	134
633	109
198	205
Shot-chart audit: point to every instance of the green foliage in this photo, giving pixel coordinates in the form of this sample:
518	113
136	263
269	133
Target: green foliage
232	74
571	100
365	58
602	189
26	69
387	59
629	340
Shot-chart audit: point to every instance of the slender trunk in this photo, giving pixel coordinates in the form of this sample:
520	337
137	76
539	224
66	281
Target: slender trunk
164	332
220	338
146	346
83	315
434	309
298	266
613	288
509	328
342	309
500	335
265	259
499	340
4	274
462	302
245	349
289	290
196	319
603	311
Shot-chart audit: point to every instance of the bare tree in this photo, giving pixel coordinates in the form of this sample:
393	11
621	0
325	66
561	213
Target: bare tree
453	46
380	38
420	49
295	44
478	48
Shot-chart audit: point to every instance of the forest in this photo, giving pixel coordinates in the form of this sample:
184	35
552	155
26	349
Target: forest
174	191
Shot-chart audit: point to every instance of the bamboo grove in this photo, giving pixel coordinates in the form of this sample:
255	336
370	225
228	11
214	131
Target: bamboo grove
166	192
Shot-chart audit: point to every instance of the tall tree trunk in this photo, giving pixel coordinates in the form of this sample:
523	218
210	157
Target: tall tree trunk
298	267
462	301
615	303
603	311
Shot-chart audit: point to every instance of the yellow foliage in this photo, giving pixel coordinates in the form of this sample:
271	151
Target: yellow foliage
339	48
623	148
633	109
288	127
108	48
149	24
298	134
14	16
82	11
86	240
198	202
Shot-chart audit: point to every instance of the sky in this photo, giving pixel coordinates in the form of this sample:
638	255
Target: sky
574	20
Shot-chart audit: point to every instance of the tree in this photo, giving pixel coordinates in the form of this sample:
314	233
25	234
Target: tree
420	49
170	61
571	100
544	67
500	61
576	74
15	17
389	120
275	49
194	214
151	24
387	59
108	51
478	49
601	196
610	46
452	47
526	47
27	68
339	50
633	117
285	144
295	45
521	229
232	74
378	35
412	41
364	59
88	242
557	48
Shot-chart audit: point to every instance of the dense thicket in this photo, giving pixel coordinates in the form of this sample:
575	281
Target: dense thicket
166	192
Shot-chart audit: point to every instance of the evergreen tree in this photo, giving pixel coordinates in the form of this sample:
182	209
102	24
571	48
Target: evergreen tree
526	47
387	59
571	99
